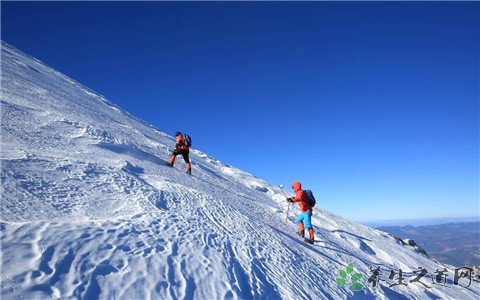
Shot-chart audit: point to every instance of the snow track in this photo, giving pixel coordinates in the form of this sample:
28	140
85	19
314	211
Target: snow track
90	211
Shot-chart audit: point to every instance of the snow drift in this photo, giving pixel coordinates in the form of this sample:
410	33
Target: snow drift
89	210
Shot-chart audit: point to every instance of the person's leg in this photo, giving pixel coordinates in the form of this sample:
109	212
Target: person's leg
311	234
172	159
185	154
301	227
308	225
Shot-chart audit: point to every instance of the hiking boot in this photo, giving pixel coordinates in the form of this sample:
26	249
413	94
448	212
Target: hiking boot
301	233
169	164
189	172
308	241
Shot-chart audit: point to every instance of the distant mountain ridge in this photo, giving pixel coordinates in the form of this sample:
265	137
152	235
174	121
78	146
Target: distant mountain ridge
457	244
420	222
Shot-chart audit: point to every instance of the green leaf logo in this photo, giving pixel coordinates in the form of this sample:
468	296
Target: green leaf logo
356	277
357	286
348	276
350	268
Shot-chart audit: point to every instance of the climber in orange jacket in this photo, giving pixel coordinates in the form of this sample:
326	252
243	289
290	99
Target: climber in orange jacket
304	220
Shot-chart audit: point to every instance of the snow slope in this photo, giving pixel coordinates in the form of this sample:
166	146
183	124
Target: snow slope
89	210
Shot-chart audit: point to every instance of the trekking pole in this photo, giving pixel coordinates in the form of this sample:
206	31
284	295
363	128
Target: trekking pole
288	207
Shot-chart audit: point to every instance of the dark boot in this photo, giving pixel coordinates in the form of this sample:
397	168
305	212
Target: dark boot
308	241
169	164
312	236
189	171
301	233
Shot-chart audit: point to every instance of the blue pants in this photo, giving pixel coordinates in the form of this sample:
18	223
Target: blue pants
306	218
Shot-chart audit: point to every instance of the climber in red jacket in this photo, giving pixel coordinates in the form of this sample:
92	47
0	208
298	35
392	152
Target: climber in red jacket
181	148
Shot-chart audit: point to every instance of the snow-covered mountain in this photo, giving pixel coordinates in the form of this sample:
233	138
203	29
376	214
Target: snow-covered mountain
90	210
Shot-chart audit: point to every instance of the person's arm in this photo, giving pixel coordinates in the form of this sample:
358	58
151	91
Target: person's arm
298	197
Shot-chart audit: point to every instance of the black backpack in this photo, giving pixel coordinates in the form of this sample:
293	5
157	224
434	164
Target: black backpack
188	140
310	198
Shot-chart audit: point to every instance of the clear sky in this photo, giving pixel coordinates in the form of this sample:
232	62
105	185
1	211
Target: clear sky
372	105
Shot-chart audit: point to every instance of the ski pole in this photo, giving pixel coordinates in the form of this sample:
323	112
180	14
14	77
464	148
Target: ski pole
288	207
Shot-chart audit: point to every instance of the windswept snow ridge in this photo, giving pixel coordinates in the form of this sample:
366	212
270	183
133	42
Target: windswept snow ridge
89	210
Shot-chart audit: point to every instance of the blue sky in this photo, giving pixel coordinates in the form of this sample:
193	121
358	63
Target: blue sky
373	105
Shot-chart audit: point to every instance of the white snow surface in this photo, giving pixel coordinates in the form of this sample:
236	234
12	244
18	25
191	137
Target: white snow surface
89	210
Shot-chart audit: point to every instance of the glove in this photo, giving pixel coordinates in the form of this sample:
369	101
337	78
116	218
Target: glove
290	200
